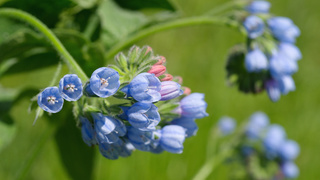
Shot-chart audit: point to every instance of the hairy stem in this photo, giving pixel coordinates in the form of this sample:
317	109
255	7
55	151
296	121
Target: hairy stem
26	17
202	20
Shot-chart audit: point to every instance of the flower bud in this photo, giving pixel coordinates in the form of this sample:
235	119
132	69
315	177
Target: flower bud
170	90
168	77
157	70
148	50
187	91
178	79
161	60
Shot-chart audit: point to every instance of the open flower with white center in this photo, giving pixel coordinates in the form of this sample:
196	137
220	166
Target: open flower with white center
70	87
50	100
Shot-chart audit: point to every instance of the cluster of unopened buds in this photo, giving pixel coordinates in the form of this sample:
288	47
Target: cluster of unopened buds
269	58
263	148
132	105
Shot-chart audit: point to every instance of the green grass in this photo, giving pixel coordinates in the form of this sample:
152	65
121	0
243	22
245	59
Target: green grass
197	54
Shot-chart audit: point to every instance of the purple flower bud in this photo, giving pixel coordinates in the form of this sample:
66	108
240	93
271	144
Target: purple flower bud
256	61
254	26
192	106
258	6
70	87
170	90
172	138
50	100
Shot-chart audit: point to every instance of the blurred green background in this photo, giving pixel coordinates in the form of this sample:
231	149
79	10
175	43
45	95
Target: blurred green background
198	55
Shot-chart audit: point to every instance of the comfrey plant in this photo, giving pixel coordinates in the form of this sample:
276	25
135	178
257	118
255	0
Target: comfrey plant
155	114
256	150
269	58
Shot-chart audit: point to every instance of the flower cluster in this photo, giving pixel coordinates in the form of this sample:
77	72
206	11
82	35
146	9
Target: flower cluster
135	104
263	146
269	58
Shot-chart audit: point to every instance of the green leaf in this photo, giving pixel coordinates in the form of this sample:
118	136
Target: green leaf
118	23
142	4
7	130
85	3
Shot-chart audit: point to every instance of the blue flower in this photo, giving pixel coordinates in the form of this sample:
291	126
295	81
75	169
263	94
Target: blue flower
283	29
172	138
70	87
104	82
258	7
281	65
141	140
273	140
289	150
257	123
113	151
290	170
170	90
290	51
107	128
50	100
192	106
256	61
87	132
226	125
143	116
144	87
188	124
254	26
286	84
273	90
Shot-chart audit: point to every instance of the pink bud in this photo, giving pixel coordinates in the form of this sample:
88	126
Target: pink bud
186	91
161	60
168	77
148	49
157	70
178	79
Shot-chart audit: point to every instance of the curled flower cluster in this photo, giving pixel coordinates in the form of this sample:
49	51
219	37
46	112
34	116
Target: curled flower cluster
263	146
155	114
270	57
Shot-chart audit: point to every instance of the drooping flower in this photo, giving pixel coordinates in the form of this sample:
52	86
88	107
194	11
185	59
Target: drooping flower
172	138
254	26
274	138
145	88
290	170
170	90
113	151
192	106
257	123
290	51
273	90
283	29
289	150
188	124
104	82
50	100
226	125
144	116
87	132
108	129
280	66
141	140
286	84
256	60
70	87
258	6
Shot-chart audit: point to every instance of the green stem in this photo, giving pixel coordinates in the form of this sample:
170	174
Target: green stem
169	25
91	27
228	5
26	17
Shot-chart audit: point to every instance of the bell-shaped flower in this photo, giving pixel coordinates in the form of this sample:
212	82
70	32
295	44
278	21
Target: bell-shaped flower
290	51
70	87
108	129
290	170
289	150
280	66
113	151
145	88
170	90
192	106
141	140
273	140
273	90
256	60
87	132
188	124
226	125
144	116
257	124
254	26
50	100
104	82
172	138
283	29
286	84
259	6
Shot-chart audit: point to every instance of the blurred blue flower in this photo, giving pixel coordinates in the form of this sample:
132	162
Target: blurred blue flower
144	116
273	90
255	61
172	138
289	150
226	125
144	87
141	140
257	123
108	129
50	100
113	151
254	26
281	65
290	170
192	106
286	84
283	29
258	6
70	87
170	90
104	82
188	123
290	51
87	132
273	140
